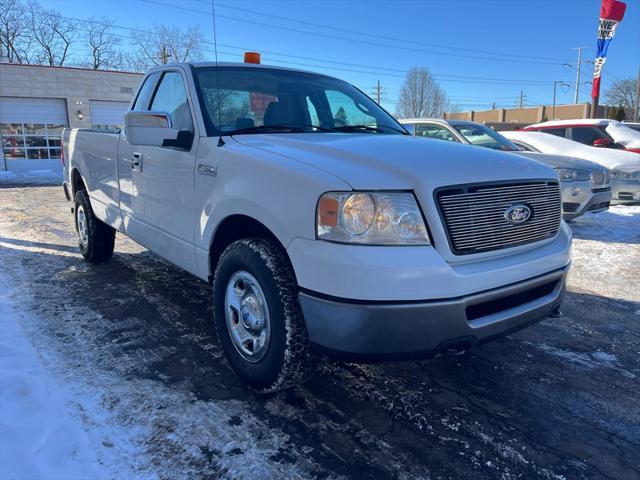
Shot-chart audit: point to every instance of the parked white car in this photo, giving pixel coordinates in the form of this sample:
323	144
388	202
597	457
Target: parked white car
320	223
624	167
597	132
585	185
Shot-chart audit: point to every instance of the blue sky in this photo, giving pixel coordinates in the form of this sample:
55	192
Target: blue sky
481	50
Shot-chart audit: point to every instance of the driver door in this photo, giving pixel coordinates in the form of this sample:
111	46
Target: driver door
163	199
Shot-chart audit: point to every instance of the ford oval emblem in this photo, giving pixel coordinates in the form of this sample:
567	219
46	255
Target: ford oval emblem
517	214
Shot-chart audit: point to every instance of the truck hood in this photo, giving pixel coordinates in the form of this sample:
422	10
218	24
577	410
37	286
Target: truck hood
397	162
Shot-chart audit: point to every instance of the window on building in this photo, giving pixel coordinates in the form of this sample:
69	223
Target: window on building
31	141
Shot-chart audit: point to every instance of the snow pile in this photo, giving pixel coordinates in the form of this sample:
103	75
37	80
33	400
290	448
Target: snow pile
38	436
31	177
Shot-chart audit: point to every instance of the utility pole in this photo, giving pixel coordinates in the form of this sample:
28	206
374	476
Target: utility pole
493	106
377	92
164	55
521	98
578	68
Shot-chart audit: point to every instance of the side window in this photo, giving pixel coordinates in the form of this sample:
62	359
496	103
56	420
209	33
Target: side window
142	102
558	132
437	132
171	97
346	112
586	135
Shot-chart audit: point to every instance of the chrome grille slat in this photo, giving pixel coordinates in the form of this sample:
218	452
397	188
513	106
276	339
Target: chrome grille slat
462	217
463	235
474	220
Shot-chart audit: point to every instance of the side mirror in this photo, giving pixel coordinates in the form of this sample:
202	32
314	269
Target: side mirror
154	129
602	142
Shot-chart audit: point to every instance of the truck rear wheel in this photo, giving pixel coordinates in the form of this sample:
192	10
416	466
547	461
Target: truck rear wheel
95	238
258	317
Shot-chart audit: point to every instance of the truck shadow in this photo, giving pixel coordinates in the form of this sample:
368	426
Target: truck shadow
544	398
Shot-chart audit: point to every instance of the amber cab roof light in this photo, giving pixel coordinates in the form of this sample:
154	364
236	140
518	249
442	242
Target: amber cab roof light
251	57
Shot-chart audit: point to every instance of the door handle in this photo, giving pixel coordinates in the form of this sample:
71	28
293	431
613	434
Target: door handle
136	162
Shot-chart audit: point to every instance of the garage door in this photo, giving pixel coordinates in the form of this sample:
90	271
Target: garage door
31	128
108	115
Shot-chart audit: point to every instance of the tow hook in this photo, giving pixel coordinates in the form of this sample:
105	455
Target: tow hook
556	313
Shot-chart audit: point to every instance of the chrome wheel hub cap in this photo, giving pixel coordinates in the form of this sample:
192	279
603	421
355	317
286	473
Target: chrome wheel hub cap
247	316
81	221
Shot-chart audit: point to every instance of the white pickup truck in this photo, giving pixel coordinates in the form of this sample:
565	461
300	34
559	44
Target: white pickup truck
321	224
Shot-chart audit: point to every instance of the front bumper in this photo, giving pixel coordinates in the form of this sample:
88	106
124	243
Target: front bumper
384	331
625	191
578	198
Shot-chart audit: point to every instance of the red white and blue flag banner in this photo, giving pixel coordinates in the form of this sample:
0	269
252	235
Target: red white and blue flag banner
611	13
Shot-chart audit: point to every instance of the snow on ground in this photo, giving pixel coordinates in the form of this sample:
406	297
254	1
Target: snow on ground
41	436
603	243
30	177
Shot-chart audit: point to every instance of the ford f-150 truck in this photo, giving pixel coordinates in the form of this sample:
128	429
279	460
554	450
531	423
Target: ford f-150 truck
321	224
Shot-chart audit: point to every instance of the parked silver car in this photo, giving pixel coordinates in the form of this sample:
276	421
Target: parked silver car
585	185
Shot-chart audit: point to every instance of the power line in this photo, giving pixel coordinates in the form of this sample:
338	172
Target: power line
444	78
336	37
384	37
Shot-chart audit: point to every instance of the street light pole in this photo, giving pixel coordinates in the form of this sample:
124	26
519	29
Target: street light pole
555	85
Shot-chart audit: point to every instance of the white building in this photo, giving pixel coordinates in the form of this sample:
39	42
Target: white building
37	102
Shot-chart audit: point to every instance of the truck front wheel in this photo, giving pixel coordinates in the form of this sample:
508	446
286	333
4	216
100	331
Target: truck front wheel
95	238
258	318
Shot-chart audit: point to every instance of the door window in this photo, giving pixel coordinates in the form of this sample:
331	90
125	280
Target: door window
587	135
142	102
171	97
437	132
558	132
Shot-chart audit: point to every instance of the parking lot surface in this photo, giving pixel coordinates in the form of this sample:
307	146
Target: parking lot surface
133	341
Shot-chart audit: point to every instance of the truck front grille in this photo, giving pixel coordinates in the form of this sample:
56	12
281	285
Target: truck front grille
475	215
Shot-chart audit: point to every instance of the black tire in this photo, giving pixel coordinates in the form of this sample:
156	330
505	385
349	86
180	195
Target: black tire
100	237
288	359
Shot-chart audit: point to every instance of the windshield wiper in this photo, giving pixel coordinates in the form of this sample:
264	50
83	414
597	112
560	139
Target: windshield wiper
367	128
277	129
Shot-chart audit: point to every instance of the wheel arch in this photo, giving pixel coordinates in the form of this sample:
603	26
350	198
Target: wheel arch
77	182
236	227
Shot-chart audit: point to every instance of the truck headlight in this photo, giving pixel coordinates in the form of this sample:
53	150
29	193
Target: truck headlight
371	218
571	175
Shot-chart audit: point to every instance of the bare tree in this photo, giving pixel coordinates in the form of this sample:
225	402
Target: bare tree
102	44
167	44
52	34
15	37
421	96
622	93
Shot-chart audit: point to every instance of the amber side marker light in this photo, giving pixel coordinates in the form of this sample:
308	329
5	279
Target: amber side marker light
251	57
328	212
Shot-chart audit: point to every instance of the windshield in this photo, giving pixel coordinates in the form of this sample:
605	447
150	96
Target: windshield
263	100
485	137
